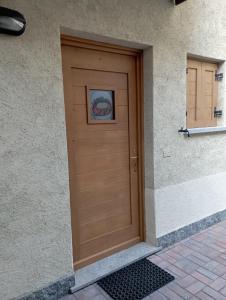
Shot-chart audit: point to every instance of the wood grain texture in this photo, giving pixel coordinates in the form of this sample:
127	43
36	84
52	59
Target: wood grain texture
202	93
104	168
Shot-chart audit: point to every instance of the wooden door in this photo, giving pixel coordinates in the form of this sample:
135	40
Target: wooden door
101	101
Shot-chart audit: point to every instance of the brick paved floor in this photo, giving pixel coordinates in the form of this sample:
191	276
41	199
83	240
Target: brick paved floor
198	264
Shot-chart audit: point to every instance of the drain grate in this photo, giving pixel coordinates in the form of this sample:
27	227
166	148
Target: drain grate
135	281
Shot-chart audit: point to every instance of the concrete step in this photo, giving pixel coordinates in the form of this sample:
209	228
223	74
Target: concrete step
110	264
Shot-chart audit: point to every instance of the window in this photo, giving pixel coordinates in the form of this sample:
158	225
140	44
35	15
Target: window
101	106
202	93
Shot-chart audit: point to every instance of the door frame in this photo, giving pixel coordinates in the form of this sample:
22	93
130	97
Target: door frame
67	40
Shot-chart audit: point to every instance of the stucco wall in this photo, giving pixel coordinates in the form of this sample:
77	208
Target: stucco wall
35	235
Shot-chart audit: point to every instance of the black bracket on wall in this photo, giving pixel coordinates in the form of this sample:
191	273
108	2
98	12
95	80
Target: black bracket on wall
219	77
217	113
182	130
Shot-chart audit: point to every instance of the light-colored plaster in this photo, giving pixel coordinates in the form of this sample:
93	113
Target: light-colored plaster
35	235
185	203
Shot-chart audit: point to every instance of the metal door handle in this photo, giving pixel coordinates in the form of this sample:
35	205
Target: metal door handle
135	163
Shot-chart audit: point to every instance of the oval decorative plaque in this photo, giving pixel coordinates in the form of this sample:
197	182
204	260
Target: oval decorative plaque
101	107
102	104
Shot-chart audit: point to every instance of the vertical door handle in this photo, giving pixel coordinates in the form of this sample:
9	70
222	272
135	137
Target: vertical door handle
134	158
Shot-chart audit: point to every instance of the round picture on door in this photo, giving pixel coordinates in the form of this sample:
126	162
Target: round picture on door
101	105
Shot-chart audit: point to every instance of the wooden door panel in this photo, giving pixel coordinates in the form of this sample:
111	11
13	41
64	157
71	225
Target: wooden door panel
92	162
79	96
104	226
105	242
80	114
81	78
112	191
105	179
103	163
113	206
82	58
101	148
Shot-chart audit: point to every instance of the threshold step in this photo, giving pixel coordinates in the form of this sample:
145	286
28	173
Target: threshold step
95	271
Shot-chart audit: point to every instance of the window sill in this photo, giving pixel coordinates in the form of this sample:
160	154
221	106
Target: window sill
192	131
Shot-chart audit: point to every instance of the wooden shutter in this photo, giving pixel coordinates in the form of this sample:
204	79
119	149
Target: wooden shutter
201	94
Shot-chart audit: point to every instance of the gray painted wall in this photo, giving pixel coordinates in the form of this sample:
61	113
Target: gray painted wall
35	235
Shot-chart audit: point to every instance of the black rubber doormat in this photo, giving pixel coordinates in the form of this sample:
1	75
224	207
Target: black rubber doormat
135	281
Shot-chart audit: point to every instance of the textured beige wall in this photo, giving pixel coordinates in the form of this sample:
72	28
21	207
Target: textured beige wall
35	235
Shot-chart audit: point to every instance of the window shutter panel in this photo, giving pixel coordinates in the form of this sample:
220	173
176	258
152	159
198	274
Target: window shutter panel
205	109
202	91
194	74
